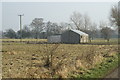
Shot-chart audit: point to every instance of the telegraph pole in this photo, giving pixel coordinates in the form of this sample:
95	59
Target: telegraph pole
21	26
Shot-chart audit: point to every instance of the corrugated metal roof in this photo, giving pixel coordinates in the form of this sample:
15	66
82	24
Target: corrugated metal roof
79	32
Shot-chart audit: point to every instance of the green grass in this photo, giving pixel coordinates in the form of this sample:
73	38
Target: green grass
102	69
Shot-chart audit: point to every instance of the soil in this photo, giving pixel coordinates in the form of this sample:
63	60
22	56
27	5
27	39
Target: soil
114	73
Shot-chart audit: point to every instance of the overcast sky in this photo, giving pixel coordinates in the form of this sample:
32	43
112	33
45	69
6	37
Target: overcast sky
51	11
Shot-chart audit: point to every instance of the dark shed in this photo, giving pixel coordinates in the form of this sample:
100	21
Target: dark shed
74	36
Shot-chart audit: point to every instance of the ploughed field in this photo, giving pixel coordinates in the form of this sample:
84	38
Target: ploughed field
21	60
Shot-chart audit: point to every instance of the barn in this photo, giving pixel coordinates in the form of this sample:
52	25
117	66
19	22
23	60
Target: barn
70	37
74	36
54	39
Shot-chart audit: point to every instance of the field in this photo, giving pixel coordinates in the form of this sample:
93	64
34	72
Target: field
22	60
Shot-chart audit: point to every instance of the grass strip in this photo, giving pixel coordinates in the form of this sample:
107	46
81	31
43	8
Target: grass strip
102	69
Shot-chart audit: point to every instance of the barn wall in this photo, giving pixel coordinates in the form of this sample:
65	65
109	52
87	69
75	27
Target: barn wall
70	37
74	37
54	39
84	38
65	37
87	38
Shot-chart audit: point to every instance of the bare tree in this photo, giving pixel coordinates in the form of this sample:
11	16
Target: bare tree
37	25
26	33
115	15
93	30
106	33
48	26
56	28
87	22
10	33
26	28
77	19
102	24
53	28
64	26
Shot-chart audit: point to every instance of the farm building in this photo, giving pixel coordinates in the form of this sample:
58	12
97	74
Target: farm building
54	39
74	36
69	36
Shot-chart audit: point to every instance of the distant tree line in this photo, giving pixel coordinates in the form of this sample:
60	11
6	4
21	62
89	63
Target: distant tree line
39	29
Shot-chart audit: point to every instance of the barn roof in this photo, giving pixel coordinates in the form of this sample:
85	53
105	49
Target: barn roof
79	32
